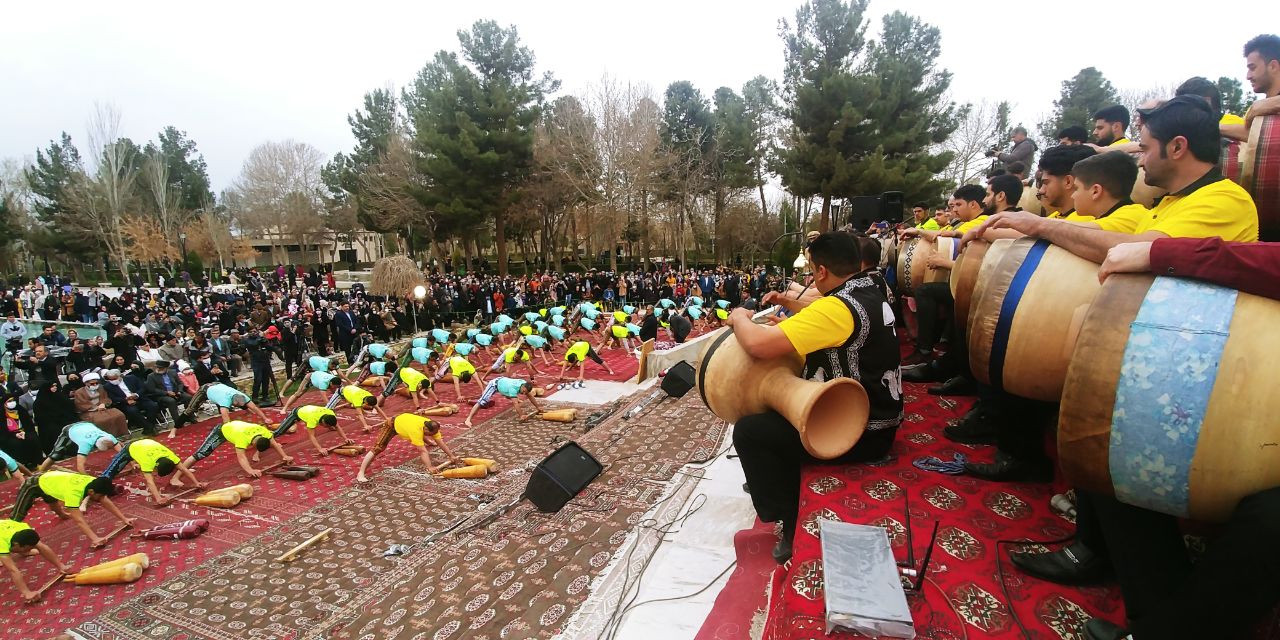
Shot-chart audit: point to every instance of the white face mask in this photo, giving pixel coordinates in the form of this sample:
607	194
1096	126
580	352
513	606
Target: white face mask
11	404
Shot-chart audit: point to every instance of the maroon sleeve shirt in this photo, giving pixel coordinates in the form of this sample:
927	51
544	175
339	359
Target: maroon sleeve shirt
1251	267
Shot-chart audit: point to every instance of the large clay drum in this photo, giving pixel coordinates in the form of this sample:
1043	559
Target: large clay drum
1022	328
1260	174
964	276
1029	201
1143	193
989	263
830	416
1170	401
913	255
949	247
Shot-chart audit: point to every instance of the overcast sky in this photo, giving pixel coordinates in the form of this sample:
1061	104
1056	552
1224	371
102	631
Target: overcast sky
235	74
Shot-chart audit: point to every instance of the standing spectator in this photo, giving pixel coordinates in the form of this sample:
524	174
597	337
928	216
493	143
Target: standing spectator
13	333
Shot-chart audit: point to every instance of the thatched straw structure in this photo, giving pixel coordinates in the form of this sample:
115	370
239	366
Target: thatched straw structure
395	276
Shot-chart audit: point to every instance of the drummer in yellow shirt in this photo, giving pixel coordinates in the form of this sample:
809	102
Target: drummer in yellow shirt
970	205
1180	153
422	433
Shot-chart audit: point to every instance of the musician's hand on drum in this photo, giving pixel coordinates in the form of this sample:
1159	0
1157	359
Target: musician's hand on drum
1023	222
1263	107
936	261
910	233
739	315
969	236
1131	257
771	298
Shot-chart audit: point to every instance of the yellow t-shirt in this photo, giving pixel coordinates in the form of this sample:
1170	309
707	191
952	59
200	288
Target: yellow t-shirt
1220	209
310	414
241	434
7	529
1231	118
930	224
148	452
509	356
972	224
1071	216
1119	142
459	366
823	324
413	379
65	486
578	349
414	428
355	395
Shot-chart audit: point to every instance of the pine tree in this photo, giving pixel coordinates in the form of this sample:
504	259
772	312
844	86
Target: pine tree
1082	96
1232	96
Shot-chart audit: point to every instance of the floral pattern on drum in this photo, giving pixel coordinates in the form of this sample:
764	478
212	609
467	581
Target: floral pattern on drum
1166	379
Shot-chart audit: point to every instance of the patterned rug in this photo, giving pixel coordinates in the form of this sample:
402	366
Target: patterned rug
963	596
500	573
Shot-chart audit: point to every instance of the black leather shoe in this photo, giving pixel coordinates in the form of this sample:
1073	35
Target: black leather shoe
1072	565
1009	469
956	386
1099	629
928	372
974	428
782	550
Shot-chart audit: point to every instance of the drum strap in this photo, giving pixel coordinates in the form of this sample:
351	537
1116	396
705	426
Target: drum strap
1000	339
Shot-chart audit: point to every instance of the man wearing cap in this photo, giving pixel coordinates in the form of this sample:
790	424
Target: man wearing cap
79	439
19	539
151	457
166	390
69	495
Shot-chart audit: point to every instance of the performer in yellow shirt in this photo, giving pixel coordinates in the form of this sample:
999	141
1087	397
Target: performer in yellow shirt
69	495
362	401
420	432
151	457
19	539
241	435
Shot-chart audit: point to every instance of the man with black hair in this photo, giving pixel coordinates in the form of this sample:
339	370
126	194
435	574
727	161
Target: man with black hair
923	220
69	495
1180	154
679	325
460	370
934	298
1109	126
577	355
1102	185
1072	136
19	539
361	401
79	439
242	435
226	398
511	388
312	416
848	332
421	432
151	457
1262	65
1056	182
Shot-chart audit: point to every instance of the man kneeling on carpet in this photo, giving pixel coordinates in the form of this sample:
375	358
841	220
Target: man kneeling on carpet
242	435
846	333
509	388
19	539
151	457
415	429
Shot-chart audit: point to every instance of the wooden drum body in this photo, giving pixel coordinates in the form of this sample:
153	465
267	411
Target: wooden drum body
1169	402
912	256
830	416
1026	315
964	276
1260	174
949	247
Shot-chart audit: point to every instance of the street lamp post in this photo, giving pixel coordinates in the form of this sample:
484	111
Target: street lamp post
182	246
419	292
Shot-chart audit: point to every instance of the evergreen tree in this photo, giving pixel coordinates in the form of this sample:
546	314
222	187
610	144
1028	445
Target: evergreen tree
373	128
1232	96
55	173
687	132
729	168
761	114
1082	96
473	126
188	172
826	97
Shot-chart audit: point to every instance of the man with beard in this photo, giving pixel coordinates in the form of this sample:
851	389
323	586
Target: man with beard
1109	125
1262	64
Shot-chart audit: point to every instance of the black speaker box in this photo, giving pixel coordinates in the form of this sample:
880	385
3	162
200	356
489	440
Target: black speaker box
864	211
560	477
679	379
893	206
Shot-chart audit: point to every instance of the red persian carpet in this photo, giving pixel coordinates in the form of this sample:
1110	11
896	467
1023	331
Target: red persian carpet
962	596
744	594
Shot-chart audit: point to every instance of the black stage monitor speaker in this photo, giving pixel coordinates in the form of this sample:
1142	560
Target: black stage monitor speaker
561	476
893	206
864	211
679	379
